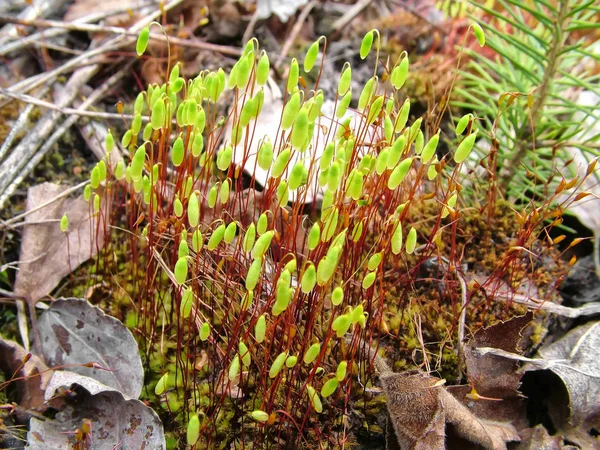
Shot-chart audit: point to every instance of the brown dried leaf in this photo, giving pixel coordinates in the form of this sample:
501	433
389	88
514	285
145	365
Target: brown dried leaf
34	372
538	439
46	257
415	409
490	375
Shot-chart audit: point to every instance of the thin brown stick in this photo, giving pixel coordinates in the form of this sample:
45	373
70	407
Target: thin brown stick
65	110
175	41
295	31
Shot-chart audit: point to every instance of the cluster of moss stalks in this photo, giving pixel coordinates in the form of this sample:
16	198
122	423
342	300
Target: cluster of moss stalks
249	309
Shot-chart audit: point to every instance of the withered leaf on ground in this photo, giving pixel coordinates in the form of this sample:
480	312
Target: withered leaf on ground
73	332
575	358
116	420
493	377
46	257
537	438
34	373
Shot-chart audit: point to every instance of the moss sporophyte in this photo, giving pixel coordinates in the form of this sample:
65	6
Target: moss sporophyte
256	301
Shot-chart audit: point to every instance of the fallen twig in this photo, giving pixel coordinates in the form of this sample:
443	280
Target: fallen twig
295	31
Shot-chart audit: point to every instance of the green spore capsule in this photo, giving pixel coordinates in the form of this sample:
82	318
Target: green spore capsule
343	105
400	73
282	193
291	361
259	416
87	193
193	210
381	162
183	249
300	129
334	176
216	237
157	118
193	430
136	125
234	368
375	110
212	197
260	328
263	68
293	76
327	156
395	152
341	324
191	111
181	270
311	56
64	223
311	354
309	279
340	373
102	169
396	240
411	241
298	176
120	170
314	235
402	116
374	261
243	71
177	152
262	223
399	173
432	172
356	314
461	126
277	364
337	296
244	354
224	158
95	177
253	274
314	399
262	244
479	34
430	147
187	301
330	225
197	241
357	231
366	44
368	280
388	128
354	185
280	163
224	192
200	121
162	384
415	128
249	238
464	148
204	331
230	232
142	41
246	302
109	142
147	134
96	203
345	80
367	93
246	113
138	106
189	185
290	111
181	122
265	155
329	387
197	145
315	109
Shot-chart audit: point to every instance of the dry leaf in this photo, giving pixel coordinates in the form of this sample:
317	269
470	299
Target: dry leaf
117	421
45	256
283	9
34	372
538	439
575	358
74	333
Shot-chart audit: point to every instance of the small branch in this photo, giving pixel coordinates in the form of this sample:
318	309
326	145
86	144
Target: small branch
67	111
295	31
172	40
350	14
